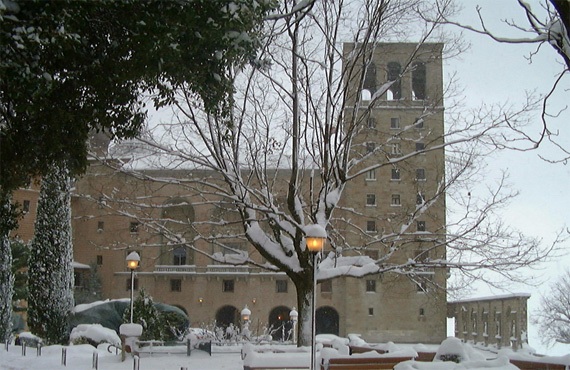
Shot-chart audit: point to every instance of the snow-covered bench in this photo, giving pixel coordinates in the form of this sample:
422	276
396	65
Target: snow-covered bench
159	347
363	363
531	365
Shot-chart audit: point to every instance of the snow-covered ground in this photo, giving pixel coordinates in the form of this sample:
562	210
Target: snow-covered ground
81	358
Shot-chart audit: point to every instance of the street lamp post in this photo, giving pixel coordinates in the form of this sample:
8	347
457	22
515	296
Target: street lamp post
315	236
133	260
294	316
245	316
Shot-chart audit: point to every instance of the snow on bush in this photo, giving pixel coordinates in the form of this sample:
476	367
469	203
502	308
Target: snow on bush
28	338
94	334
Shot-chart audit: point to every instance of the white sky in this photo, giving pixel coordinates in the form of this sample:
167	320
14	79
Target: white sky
492	72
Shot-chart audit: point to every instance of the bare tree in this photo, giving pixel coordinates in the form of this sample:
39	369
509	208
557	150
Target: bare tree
296	141
553	316
547	24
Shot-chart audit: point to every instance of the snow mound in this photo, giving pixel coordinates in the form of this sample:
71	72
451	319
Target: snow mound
94	334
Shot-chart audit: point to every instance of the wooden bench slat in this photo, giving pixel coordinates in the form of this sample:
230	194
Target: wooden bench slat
529	365
368	360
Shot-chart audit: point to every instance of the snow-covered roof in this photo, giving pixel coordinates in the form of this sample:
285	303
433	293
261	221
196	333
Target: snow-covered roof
492	298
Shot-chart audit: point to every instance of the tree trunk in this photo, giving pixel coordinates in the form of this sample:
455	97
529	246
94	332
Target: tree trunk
304	286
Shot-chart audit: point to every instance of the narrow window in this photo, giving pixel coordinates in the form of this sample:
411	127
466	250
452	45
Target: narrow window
369	85
396	148
371	286
26	206
420	174
281	286
99	260
396	199
421	225
134	227
371	122
371	175
393	74
370	146
420	147
175	285
419	198
419	81
179	256
422	312
100	226
371	226
326	286
370	199
395	122
228	286
370	311
419	123
395	174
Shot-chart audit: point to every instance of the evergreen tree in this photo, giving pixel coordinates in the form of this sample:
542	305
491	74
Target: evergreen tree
51	254
147	315
7	223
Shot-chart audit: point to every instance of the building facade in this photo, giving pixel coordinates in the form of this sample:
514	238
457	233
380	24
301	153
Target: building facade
399	142
497	321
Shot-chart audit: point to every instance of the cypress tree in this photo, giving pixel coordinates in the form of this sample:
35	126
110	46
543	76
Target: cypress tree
50	263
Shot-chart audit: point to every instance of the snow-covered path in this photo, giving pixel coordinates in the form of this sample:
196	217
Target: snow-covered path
81	358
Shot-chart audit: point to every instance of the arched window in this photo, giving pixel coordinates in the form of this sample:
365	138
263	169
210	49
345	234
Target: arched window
419	81
177	215
280	323
369	85
393	74
327	321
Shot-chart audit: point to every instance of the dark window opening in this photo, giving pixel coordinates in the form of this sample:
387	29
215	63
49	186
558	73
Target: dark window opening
395	122
175	285
26	206
371	286
99	260
281	286
179	256
395	174
370	199
421	225
419	81
393	74
370	146
396	199
371	122
100	226
370	311
420	147
134	227
371	226
228	286
420	174
369	84
419	198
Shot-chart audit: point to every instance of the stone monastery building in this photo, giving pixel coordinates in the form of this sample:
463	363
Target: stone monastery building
381	307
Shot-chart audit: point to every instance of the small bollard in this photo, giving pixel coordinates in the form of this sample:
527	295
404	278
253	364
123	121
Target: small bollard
7	342
23	348
136	362
95	360
188	348
64	356
39	350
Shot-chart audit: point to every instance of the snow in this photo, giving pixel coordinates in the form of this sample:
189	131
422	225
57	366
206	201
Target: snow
96	333
131	330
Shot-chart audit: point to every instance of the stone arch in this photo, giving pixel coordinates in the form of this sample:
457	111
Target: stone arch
227	315
327	320
280	323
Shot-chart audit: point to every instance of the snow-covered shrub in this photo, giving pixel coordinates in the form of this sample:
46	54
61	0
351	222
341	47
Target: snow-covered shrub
451	349
28	339
93	334
146	314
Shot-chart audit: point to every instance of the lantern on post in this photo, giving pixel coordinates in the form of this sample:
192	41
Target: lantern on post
245	316
294	316
315	236
133	260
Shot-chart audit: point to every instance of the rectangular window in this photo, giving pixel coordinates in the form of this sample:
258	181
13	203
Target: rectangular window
395	174
420	147
134	227
371	226
418	81
99	260
326	286
370	311
371	122
371	175
370	199
100	226
395	122
136	284
228	286
419	198
281	286
396	148
371	286
396	199
370	146
175	285
421	225
419	123
420	174
26	206
179	256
